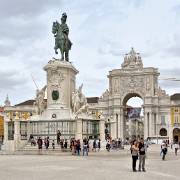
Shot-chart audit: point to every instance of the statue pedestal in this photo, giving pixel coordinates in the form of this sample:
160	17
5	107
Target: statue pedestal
61	81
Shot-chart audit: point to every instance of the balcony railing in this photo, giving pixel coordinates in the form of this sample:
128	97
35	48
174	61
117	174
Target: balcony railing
176	124
162	124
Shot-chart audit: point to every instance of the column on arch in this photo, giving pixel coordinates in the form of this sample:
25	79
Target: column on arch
153	124
121	124
150	123
146	134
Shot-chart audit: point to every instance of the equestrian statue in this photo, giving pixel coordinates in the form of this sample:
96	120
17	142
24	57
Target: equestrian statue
62	41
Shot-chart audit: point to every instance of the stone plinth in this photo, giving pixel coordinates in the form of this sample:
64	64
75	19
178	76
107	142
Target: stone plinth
60	83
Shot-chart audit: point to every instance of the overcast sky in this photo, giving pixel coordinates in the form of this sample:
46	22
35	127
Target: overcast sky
101	31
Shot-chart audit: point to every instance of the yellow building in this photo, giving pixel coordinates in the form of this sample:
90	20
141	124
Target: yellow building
23	109
1	127
175	116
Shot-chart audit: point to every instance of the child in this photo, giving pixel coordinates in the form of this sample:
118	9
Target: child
53	144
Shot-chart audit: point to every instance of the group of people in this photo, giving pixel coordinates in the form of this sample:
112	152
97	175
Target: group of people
75	146
138	151
117	144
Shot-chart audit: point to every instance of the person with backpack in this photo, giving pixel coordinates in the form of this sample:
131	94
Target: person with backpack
40	143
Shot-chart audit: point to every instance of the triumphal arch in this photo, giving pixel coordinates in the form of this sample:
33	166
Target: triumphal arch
134	80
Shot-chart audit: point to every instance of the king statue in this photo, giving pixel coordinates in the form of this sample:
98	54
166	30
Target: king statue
61	32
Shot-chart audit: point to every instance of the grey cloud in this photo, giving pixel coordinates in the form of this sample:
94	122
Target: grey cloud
174	73
30	8
7	48
170	86
12	79
103	64
93	86
174	48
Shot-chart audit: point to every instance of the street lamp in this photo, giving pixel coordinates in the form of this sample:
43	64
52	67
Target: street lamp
157	132
107	125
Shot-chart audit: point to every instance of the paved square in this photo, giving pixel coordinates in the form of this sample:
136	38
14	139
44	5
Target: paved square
103	165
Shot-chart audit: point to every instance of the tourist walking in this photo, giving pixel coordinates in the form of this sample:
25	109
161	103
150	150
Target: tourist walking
164	150
40	143
171	144
88	143
99	144
94	145
58	137
142	155
72	146
176	147
65	145
62	145
108	145
135	150
47	143
85	147
53	145
78	147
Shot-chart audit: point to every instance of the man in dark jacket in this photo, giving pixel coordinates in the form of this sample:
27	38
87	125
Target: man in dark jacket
142	155
40	143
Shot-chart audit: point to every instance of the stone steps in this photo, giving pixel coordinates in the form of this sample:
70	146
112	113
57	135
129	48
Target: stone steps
28	147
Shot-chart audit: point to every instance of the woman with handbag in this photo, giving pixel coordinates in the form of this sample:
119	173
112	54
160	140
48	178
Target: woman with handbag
135	150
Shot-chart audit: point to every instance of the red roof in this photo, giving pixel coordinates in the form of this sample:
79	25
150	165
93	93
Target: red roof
175	96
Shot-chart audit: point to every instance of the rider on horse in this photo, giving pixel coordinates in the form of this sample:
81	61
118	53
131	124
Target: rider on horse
65	29
62	41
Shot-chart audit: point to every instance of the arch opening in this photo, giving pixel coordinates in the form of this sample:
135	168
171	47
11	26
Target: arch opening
176	135
133	116
163	132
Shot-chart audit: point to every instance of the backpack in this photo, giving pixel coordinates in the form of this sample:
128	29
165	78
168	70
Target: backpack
39	142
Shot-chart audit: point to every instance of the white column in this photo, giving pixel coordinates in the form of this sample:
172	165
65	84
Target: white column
153	120
102	133
150	124
28	130
79	129
169	128
157	126
121	126
5	132
145	125
17	135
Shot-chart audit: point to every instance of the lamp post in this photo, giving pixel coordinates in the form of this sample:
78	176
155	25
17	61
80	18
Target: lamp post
157	132
108	129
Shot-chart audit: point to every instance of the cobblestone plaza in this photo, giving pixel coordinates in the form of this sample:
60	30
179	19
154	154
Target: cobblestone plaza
102	165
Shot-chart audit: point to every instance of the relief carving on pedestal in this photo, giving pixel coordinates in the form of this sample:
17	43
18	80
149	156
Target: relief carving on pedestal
55	77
